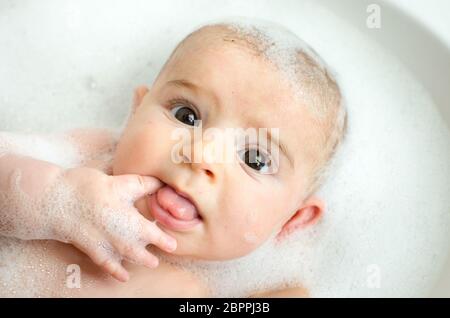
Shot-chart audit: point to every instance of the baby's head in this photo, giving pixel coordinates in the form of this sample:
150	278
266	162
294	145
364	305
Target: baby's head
234	75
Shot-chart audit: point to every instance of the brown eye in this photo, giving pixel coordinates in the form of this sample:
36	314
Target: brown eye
256	159
185	115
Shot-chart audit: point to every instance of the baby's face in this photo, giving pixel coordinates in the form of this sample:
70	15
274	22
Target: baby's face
220	210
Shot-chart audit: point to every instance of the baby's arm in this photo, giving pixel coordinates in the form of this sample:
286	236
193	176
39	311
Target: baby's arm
82	206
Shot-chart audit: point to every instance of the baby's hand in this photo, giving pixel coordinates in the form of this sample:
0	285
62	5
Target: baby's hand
83	206
97	215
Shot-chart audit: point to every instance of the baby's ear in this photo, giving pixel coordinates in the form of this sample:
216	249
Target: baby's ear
307	215
139	94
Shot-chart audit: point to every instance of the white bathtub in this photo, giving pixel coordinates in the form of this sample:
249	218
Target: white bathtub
425	54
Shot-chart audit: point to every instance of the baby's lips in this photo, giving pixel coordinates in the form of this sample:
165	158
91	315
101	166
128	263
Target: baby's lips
180	207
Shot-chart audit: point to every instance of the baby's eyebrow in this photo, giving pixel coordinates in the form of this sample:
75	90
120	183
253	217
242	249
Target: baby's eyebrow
184	83
198	90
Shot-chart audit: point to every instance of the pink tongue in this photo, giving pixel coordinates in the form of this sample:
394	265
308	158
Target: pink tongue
178	206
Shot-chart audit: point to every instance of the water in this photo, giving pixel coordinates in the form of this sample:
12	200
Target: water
385	230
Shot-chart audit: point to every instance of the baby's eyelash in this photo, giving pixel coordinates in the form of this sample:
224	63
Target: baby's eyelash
180	100
171	103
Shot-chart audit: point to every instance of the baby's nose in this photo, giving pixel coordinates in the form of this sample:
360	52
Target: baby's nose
206	169
210	159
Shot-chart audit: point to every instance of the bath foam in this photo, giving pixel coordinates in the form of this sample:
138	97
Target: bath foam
25	271
387	194
48	147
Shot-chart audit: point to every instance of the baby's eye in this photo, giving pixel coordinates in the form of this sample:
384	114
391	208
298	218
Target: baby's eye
257	160
184	114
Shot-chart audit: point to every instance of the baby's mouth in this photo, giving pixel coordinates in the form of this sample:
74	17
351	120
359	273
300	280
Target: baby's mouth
173	209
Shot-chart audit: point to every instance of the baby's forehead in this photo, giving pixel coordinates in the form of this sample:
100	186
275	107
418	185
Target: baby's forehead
288	60
250	86
211	35
217	50
212	40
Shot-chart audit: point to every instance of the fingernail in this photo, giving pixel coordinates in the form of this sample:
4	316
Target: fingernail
124	276
150	181
171	244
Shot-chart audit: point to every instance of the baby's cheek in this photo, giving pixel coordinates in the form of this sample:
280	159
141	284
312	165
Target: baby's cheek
256	234
253	229
144	150
262	221
253	220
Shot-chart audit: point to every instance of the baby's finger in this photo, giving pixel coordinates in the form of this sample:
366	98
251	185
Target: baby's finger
115	269
135	186
154	235
139	256
108	263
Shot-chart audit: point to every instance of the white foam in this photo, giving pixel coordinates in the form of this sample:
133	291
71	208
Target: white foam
387	196
52	148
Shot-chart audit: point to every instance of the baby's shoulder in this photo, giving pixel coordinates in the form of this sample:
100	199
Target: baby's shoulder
92	140
95	146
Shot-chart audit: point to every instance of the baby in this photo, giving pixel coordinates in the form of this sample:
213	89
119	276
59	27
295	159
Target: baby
156	191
